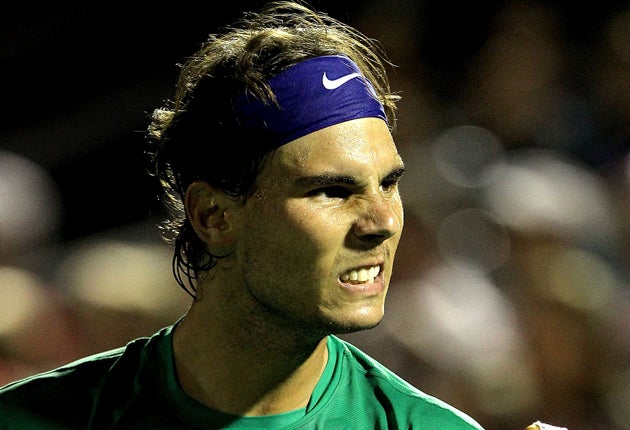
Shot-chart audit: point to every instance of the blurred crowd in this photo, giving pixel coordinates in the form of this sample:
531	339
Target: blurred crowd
510	298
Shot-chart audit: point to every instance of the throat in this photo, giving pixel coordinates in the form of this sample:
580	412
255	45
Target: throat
279	372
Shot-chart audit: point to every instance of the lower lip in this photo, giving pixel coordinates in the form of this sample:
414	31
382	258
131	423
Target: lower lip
365	289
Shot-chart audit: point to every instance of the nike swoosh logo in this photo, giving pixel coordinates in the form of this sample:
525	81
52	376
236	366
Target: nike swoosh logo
331	84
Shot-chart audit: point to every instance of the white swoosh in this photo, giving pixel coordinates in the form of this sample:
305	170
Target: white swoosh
336	83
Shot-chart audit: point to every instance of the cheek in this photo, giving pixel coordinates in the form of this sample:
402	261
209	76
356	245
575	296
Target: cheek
289	246
293	225
275	226
323	228
301	239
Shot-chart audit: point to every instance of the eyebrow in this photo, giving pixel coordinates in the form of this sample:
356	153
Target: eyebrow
395	174
325	180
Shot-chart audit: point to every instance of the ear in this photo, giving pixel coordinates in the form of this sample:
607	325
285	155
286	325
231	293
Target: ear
205	208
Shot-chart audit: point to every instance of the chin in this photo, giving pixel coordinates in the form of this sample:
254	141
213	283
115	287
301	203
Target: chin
352	325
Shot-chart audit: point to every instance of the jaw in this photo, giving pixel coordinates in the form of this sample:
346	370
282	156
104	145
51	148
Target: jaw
355	313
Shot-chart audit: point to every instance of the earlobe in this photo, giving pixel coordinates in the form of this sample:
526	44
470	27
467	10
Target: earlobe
206	214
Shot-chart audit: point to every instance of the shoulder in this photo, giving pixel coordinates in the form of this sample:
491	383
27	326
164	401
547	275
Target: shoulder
403	400
41	399
75	387
82	372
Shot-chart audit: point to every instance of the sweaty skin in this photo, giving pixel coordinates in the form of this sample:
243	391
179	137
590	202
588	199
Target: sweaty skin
311	253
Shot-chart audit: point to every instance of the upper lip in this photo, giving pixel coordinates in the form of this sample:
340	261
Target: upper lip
364	266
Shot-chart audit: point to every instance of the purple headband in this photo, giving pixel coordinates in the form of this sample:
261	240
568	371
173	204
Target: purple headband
313	94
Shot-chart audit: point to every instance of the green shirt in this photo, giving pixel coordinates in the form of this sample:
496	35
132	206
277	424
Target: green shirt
136	387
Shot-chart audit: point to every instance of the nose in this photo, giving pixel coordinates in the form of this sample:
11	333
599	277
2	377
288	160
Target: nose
381	219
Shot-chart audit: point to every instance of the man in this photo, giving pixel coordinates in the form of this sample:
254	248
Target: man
281	176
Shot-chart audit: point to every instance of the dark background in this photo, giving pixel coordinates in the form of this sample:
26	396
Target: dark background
79	80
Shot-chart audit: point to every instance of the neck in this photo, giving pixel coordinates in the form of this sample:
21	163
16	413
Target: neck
244	363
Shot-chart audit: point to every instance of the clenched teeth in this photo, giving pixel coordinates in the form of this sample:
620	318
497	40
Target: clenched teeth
361	275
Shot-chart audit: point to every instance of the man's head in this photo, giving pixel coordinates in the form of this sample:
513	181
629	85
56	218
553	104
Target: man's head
209	132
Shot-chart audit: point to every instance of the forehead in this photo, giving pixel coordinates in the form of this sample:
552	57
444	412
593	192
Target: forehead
358	146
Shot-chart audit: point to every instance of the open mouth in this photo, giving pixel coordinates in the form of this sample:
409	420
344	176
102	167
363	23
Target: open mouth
361	276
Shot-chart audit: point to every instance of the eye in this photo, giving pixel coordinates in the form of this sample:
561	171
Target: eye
334	192
390	184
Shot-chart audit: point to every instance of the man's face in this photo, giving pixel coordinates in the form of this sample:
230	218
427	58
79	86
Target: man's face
317	240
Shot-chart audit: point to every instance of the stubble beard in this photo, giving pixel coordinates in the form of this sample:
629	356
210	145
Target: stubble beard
270	319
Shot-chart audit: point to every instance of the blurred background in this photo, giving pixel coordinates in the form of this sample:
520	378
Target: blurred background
510	295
